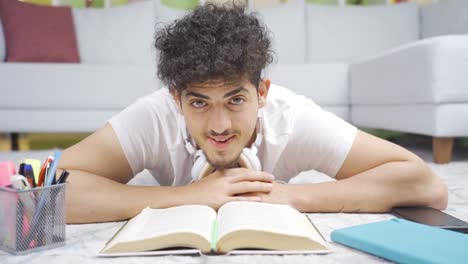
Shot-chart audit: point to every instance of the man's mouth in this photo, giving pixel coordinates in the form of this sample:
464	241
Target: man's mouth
221	142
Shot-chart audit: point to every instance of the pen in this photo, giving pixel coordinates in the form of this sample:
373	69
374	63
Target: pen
21	169
42	201
36	165
42	173
47	172
29	174
63	177
53	168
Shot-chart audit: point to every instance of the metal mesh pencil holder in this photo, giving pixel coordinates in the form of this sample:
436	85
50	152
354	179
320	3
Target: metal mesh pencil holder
32	220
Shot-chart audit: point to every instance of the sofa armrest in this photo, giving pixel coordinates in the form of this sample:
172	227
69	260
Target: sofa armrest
427	71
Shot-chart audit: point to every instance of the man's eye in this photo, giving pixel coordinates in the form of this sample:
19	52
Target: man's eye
198	104
237	100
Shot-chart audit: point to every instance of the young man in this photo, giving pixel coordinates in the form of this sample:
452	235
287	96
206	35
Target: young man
221	133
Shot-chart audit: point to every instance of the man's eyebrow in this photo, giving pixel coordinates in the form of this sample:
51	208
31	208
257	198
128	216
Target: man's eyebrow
197	95
233	92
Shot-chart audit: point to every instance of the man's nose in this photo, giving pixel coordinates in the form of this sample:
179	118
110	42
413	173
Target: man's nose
219	121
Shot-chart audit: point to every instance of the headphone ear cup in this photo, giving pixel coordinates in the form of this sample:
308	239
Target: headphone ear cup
201	167
249	160
207	169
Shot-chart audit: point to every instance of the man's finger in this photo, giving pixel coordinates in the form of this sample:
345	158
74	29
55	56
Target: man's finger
246	199
247	187
250	175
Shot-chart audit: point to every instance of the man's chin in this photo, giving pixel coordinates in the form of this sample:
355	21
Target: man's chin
222	164
225	159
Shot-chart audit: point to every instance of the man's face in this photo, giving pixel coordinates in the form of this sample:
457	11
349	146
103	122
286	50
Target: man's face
221	117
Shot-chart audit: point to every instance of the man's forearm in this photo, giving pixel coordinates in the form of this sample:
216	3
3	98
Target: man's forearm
376	190
90	198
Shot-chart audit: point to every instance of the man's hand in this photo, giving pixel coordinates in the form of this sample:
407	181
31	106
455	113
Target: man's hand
228	185
280	194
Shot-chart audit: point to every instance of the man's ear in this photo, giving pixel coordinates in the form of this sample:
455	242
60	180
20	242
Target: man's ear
177	98
263	88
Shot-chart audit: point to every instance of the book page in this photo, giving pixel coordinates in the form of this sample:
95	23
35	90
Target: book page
275	218
158	222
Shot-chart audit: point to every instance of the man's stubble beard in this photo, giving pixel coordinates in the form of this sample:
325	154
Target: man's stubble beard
227	164
224	165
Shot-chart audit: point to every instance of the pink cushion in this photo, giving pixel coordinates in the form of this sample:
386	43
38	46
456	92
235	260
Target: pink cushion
36	33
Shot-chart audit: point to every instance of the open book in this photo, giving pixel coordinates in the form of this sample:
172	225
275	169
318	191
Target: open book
237	228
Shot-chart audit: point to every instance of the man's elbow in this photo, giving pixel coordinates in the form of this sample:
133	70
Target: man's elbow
434	191
440	198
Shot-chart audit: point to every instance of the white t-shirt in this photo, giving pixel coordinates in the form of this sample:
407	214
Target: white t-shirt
297	136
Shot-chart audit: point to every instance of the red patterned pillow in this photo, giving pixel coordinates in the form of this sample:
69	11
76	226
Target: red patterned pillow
36	33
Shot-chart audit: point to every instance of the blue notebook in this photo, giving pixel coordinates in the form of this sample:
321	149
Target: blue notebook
403	241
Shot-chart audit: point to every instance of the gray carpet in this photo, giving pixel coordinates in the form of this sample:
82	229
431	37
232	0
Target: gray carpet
84	241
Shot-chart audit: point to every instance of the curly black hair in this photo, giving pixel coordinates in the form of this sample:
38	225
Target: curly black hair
214	42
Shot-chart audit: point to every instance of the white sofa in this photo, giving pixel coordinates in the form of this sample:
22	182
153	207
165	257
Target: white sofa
420	88
116	68
324	53
399	68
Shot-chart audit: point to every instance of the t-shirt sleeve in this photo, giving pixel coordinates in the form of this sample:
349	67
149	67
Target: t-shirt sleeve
319	139
136	133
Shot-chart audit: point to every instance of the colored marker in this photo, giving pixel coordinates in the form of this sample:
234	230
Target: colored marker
42	173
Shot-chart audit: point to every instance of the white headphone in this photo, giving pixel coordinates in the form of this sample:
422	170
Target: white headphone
247	159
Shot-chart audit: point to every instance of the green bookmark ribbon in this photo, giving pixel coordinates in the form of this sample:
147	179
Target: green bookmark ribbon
214	235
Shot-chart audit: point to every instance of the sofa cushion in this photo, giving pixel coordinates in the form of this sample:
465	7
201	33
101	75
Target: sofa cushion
66	120
36	33
444	18
118	35
59	86
287	24
350	32
430	71
439	120
324	83
2	43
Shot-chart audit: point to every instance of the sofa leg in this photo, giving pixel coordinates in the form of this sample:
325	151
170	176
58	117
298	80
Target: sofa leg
14	141
442	149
